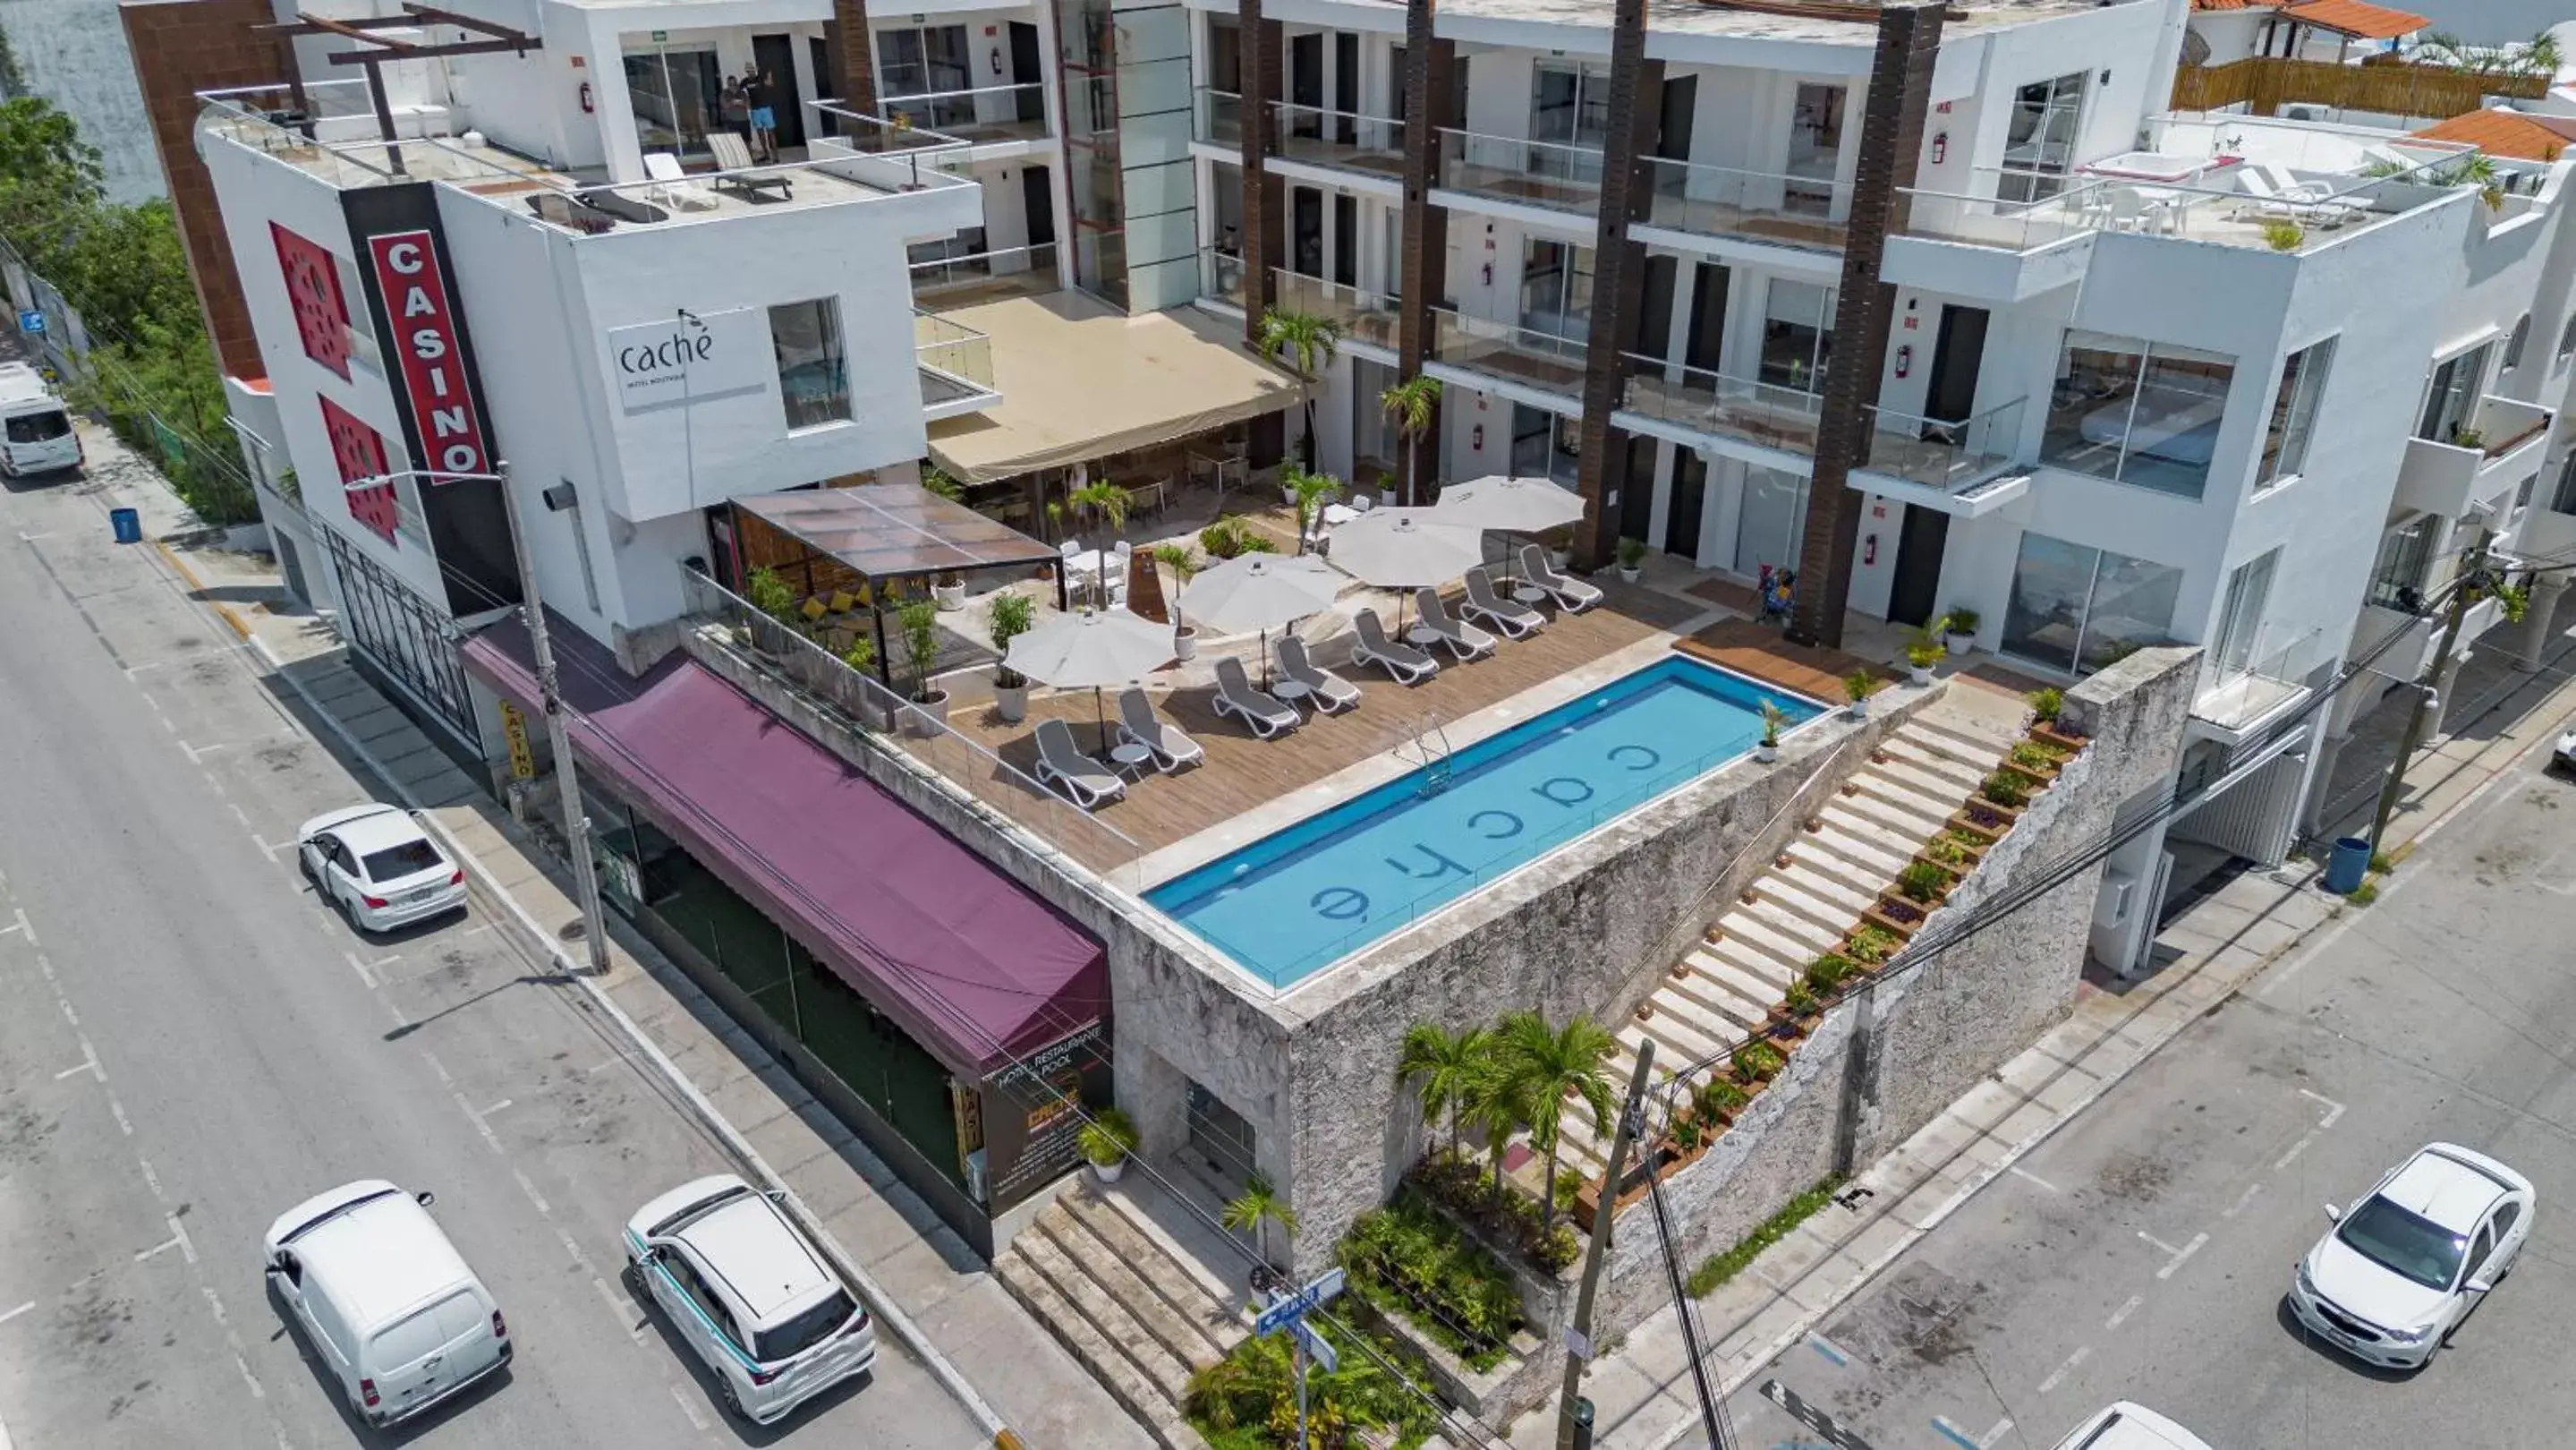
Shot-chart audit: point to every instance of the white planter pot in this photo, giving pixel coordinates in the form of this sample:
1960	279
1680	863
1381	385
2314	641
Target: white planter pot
1559	558
1959	643
1628	575
1185	644
1766	753
1386	498
948	597
1012	701
1918	674
1857	709
1288	496
1108	1172
925	717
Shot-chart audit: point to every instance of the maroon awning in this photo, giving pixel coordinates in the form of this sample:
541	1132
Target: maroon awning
974	966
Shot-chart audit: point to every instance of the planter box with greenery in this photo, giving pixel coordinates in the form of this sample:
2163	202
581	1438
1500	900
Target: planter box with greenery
1411	1260
1896	915
1867	948
1632	559
1982	818
1461	1187
1248	1400
1925	883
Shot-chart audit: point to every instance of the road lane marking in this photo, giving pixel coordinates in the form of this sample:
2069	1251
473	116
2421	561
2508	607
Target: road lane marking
1952	1433
620	1308
2123	1312
216	1305
438	1067
359	967
179	1231
529	1188
250	1379
2161	1246
2334	1109
480	1126
496	1107
162	1247
2242	1199
2297	1148
2058	1375
122	1122
89	1055
1828	1349
1995	1436
21	926
2186	1252
689	1408
152	1179
265	848
8	1314
69	1015
2026	1175
198	753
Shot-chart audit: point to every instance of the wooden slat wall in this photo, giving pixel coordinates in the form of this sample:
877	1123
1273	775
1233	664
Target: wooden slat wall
2264	83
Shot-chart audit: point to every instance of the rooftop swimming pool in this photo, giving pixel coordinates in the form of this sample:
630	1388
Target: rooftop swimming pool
1306	896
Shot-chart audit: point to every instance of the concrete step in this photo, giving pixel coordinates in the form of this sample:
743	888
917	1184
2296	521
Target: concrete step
1961	741
1677	1036
1961	775
1876	833
1862	875
1790	950
1903	817
1141	1276
1080	1281
1719	988
1921	783
1093	1347
1829	902
1756	968
1798	936
1862	851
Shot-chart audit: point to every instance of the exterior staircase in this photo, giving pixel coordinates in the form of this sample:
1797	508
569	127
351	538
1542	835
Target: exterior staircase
1722	991
1098	1276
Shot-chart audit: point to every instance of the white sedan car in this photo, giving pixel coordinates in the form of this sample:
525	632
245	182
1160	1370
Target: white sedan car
378	867
2404	1265
2125	1426
754	1299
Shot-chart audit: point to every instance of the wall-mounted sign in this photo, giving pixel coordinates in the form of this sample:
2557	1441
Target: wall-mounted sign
31	321
690	359
423	317
514	727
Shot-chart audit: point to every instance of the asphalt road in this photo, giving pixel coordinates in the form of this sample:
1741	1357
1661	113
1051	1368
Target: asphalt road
2143	1252
190	1044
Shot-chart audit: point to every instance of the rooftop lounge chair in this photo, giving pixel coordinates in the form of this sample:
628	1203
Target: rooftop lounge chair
1267	714
1402	662
675	188
1572	595
2269	203
733	167
1168	745
1330	692
570	213
1508	615
1063	765
1465	641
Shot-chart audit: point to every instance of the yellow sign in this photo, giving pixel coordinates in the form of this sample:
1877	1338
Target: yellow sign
523	764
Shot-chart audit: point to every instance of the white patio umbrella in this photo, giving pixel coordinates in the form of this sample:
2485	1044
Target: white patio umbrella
1404	548
1094	648
1260	591
1511	505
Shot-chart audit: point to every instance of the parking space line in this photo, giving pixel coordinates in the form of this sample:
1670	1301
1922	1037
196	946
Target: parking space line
2123	1312
529	1188
2027	1176
2058	1375
89	1055
2242	1199
1952	1433
489	1137
2334	1109
2181	1255
1995	1436
123	1123
21	926
1828	1349
8	1314
152	1180
179	1231
688	1407
359	967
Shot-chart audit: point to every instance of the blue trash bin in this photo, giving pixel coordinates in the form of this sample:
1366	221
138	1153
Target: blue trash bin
2346	867
128	525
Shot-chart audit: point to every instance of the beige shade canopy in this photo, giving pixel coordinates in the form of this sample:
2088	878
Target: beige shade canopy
1081	380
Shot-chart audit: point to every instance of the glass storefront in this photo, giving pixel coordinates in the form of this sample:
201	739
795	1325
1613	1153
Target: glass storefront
2079	609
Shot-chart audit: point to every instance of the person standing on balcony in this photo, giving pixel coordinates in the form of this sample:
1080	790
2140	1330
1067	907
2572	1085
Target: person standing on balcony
764	116
736	106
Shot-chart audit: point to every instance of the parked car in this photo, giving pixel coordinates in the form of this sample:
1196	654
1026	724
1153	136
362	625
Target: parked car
2410	1259
378	867
2564	757
36	434
383	1298
2125	1426
750	1294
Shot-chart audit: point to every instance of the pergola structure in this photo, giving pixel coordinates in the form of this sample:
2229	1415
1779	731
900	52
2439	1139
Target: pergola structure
868	542
381	48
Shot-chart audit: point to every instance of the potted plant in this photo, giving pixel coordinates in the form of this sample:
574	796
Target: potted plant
1560	547
1959	629
1773	717
1108	1140
2045	702
2283	235
936	480
1922	653
1632	559
1185	567
1717	1101
1012	616
770	595
1869	947
1308	493
948	592
1858	686
1924	882
919	621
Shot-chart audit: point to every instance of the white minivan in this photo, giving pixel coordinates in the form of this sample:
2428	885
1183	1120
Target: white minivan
35	428
384	1299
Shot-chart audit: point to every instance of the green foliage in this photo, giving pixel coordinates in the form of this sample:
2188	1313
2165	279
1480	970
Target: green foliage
1800	1001
770	595
1255	1209
1859	685
2031	755
1109	501
1757	1062
2379	862
1960	620
1447	1069
2045	702
1773	717
1921	881
1231	537
1719	1268
2283	235
1248	1400
1826	974
1871	944
2364	894
1458	1186
1632	553
2514	600
1543	1065
1947	850
861	655
1313	491
1411	406
920	623
1108	1137
1305	343
1414	1261
936	479
2005	789
1715	1096
1012	616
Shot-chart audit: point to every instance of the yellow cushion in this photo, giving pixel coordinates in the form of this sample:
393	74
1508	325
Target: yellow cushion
814	609
842	603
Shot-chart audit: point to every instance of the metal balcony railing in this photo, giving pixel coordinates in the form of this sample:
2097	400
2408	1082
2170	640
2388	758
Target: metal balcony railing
1943	453
1344	140
1769	414
1364	315
1534	173
1552	361
1718	201
984	115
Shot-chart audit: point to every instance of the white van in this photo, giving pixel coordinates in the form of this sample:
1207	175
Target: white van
36	433
384	1299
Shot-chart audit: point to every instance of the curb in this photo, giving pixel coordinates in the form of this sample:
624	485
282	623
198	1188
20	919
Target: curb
892	1313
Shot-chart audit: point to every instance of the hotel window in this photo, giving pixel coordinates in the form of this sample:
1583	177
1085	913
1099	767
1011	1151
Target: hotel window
2039	146
2294	414
1544	445
2397	576
676	93
1556	289
2240	617
2137	412
2567	341
813	380
1797	335
930	60
1569	104
1815	147
2081	609
2514	344
2452	395
2562	499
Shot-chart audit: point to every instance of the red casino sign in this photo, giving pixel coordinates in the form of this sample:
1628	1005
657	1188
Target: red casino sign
422	315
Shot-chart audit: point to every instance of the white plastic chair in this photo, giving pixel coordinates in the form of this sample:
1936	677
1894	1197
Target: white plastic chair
674	187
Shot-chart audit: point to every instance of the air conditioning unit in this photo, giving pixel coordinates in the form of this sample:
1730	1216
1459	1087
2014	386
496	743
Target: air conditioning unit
2301	111
2111	905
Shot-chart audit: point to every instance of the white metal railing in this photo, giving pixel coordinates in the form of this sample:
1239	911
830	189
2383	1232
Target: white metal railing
1946	453
1347	140
1033	268
1802	211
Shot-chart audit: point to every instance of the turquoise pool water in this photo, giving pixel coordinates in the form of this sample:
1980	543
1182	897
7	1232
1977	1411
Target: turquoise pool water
1313	893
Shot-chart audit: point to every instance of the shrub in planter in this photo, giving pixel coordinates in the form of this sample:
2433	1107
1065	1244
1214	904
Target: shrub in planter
1959	627
1012	617
1801	1002
1757	1062
1107	1140
2005	789
1858	686
1689	1134
1950	851
1773	717
1922	881
1412	1260
1870	945
1899	913
2038	759
1632	558
2045	703
1826	974
1717	1100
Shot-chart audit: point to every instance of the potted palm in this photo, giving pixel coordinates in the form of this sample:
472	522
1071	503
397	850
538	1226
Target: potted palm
1304	342
1632	559
1412	406
1959	629
1012	615
1108	1139
919	621
1858	686
1185	567
1922	653
1773	717
1309	492
948	592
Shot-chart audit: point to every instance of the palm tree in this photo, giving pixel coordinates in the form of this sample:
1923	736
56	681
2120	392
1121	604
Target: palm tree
1184	564
1255	1209
1411	406
1445	1069
1306	343
1313	490
1550	1064
1104	498
1498	1105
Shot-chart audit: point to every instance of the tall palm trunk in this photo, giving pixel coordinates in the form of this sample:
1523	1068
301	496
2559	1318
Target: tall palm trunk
1547	1193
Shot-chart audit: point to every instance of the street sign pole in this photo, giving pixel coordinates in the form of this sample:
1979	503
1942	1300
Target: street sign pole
1302	1441
1283	1310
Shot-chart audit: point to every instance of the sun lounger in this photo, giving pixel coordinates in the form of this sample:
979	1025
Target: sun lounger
674	187
733	168
1063	765
1465	641
1402	662
1572	594
1508	615
1266	713
1330	692
1168	745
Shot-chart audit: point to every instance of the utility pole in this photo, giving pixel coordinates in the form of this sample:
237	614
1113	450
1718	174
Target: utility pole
1632	1120
585	875
2472	573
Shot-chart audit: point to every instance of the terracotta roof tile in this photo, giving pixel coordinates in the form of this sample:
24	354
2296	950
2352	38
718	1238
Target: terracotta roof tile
2357	18
2502	132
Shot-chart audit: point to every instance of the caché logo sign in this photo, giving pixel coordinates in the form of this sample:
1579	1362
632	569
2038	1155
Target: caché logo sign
688	359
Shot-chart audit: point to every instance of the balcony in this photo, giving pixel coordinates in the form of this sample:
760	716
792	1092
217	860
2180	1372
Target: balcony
956	366
952	282
1752	206
1370	146
2500	447
1694	406
2239	699
1547	365
988	116
1961	466
1221	279
1543	174
1365	317
1217	118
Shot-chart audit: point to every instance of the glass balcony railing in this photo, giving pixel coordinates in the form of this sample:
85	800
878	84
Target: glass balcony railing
1220	277
1009	272
1217	118
956	361
1769	414
1548	360
1796	211
1534	173
1345	140
1365	316
984	115
1946	454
